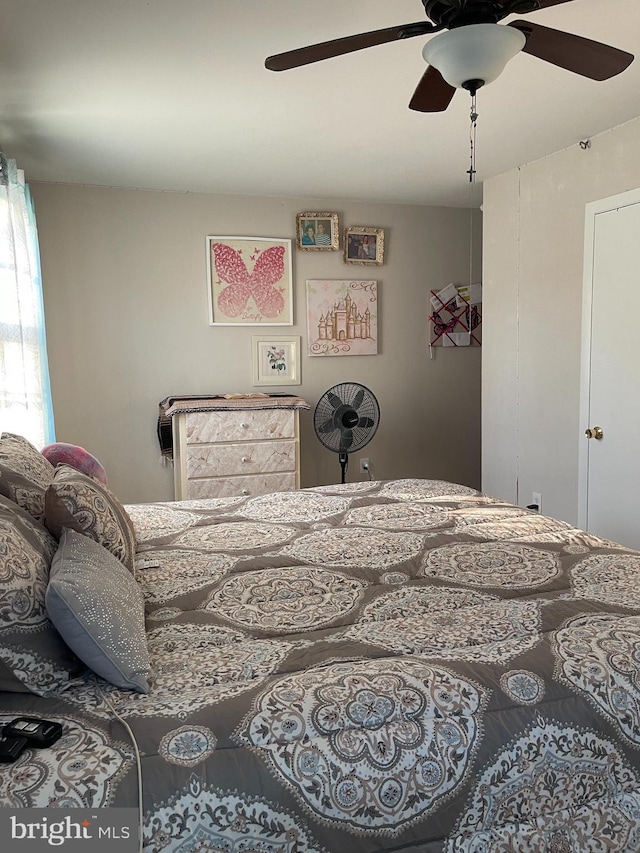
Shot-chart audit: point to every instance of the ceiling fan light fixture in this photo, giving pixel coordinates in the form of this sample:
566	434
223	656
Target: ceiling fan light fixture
478	53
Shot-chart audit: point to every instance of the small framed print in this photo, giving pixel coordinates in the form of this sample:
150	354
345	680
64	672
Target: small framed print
250	281
318	232
276	360
363	245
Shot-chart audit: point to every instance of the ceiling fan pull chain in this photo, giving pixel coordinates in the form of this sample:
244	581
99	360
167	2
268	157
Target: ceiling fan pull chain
472	141
472	179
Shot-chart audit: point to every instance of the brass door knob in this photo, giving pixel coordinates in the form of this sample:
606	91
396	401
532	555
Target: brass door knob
594	432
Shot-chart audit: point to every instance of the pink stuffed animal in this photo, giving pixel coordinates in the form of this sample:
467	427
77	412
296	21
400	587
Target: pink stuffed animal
77	457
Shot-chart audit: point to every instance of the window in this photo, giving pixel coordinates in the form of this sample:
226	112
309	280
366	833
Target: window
25	396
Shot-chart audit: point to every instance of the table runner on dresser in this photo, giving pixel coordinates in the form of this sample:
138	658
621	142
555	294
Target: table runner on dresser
214	403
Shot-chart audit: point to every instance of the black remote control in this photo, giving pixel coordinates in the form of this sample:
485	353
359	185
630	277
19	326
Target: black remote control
11	748
38	732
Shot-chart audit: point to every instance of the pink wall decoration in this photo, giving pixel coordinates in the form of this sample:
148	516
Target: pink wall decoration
342	317
250	281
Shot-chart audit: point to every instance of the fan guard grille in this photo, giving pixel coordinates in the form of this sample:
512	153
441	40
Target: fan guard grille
346	417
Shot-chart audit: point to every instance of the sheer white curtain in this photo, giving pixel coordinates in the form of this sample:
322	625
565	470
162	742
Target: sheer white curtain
25	394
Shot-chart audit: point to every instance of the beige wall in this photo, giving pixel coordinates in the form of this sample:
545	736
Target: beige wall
534	219
124	276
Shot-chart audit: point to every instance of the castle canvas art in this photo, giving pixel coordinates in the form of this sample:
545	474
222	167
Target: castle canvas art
342	317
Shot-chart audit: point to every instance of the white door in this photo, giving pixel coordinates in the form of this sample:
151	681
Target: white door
610	403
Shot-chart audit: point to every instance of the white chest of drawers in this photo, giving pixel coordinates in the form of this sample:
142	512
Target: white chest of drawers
235	452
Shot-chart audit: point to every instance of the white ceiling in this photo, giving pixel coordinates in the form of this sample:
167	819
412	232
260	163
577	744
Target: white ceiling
173	95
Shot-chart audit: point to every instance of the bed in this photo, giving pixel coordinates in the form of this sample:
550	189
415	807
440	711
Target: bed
405	665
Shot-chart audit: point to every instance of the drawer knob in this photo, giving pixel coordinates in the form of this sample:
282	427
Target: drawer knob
244	425
245	491
246	459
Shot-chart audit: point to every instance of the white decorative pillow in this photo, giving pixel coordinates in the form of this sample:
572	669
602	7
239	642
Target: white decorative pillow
97	607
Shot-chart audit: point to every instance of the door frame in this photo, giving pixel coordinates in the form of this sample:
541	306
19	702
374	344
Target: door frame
592	210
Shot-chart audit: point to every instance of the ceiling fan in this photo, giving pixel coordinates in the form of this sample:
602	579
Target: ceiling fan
474	48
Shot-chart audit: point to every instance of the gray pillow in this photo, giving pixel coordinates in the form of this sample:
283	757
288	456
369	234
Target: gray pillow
33	657
24	474
76	501
97	606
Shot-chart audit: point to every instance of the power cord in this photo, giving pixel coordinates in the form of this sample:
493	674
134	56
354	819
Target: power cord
365	467
138	762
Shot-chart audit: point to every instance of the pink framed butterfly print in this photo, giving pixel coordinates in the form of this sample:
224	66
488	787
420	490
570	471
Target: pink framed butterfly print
250	281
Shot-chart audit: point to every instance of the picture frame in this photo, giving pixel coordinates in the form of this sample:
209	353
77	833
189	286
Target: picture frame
363	245
249	281
276	360
342	317
317	232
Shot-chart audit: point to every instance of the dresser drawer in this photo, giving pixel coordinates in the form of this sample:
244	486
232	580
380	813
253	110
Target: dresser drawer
225	487
236	425
220	460
234	452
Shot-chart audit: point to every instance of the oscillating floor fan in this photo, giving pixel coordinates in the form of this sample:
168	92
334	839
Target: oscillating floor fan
346	418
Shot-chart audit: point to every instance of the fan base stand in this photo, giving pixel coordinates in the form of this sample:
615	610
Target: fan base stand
344	464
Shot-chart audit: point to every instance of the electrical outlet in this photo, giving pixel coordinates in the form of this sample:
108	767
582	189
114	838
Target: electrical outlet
536	498
364	465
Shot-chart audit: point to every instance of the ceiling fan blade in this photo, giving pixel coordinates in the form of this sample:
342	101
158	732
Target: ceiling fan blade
524	7
543	4
581	55
433	94
337	47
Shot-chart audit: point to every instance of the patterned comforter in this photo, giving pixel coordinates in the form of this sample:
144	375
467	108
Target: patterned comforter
405	665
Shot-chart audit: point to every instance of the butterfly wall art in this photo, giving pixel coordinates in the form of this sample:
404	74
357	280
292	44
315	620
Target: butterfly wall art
250	281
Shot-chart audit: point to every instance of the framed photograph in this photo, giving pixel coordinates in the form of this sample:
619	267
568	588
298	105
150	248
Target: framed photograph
276	360
363	245
342	317
318	232
250	282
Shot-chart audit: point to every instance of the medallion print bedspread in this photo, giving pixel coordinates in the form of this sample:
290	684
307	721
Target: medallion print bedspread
406	665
